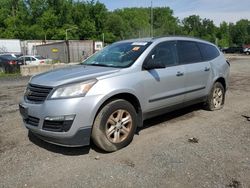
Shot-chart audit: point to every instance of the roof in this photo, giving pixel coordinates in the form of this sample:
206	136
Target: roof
165	38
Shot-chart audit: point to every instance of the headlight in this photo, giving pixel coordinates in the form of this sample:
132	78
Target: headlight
73	90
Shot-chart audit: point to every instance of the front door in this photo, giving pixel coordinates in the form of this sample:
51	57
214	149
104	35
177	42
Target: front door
164	87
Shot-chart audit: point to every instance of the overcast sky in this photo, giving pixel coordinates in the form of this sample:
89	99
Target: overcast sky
217	10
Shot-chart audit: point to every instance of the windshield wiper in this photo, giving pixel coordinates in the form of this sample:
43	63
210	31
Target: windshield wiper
99	65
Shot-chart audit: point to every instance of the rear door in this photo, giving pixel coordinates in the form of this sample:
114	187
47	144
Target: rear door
164	87
197	71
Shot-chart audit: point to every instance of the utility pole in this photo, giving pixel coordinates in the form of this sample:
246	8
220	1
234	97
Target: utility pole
66	31
103	39
152	20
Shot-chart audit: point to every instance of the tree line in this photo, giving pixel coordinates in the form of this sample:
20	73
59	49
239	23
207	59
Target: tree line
51	19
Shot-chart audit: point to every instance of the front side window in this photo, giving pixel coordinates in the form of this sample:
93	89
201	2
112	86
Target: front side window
188	52
119	55
165	53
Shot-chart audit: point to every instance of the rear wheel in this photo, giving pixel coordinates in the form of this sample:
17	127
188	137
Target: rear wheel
216	97
114	125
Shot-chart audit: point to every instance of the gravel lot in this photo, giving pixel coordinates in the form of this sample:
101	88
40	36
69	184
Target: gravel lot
159	156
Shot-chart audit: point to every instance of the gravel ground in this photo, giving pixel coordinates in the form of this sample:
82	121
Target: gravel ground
159	156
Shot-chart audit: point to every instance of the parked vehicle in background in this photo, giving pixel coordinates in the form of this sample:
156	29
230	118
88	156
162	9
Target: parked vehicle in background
8	63
110	94
233	50
33	60
247	51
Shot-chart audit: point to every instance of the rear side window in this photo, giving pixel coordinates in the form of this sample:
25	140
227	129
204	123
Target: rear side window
188	52
208	51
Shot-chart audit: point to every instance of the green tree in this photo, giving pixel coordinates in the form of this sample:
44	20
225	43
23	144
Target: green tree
115	25
40	19
192	25
223	35
164	22
240	33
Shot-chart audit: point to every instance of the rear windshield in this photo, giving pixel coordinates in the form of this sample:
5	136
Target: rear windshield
118	55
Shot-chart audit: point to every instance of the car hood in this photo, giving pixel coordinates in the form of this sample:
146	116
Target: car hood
71	74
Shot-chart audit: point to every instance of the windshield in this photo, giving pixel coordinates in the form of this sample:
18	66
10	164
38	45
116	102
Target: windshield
119	55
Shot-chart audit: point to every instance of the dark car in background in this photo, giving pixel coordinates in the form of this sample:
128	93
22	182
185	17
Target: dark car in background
233	50
8	63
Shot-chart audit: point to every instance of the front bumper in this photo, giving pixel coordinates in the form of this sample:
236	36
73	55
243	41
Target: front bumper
81	138
83	110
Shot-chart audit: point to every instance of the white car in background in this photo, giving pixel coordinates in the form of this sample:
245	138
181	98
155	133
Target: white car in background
247	51
33	60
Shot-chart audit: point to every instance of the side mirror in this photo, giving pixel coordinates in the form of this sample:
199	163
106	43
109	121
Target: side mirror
153	64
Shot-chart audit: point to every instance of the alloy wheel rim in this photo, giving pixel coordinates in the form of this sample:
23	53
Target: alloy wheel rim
118	126
217	97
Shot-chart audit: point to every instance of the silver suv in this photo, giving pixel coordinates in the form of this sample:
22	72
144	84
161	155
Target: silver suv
109	95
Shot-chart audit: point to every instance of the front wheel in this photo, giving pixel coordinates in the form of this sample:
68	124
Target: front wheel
114	125
216	98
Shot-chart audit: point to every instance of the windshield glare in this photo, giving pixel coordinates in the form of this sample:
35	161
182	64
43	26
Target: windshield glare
118	54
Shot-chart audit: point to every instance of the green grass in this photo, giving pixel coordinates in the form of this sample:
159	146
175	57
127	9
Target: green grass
5	75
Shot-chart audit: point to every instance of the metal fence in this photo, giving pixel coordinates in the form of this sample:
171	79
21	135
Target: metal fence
67	51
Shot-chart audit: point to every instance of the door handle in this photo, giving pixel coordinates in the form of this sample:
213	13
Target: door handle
179	73
207	69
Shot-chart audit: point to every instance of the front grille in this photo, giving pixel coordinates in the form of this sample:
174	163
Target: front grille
36	93
32	121
57	126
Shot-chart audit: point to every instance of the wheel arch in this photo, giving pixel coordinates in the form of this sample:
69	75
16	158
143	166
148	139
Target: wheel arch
131	98
222	81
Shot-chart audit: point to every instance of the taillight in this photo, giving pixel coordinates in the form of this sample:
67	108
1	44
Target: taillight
12	62
41	62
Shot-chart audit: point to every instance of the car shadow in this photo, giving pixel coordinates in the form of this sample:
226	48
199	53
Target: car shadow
177	115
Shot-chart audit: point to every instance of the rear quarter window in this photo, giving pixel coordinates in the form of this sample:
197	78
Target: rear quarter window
188	52
208	51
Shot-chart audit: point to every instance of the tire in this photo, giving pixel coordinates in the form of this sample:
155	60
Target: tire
114	125
216	98
247	53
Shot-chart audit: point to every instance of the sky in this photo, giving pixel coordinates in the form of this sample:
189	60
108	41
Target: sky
216	10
